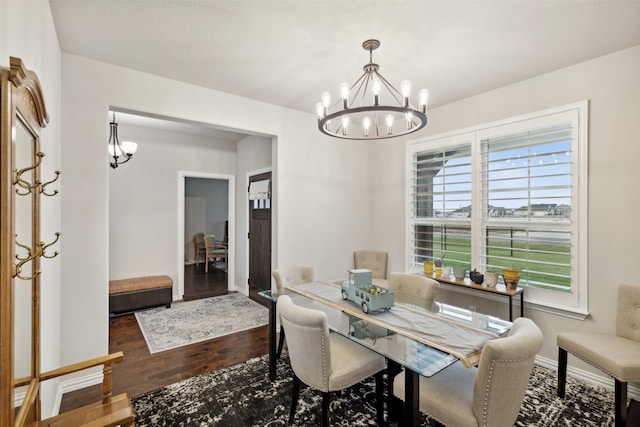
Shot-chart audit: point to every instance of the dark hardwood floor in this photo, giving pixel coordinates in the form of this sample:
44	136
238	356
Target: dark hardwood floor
141	371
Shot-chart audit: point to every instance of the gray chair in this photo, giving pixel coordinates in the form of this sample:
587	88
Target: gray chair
617	355
413	289
490	395
326	361
198	244
376	261
214	250
290	276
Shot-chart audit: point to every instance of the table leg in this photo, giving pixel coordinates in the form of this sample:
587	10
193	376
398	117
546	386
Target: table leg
510	308
272	340
522	304
411	398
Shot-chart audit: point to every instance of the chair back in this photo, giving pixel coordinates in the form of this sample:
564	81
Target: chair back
292	276
198	240
209	242
376	261
503	374
418	290
308	342
628	315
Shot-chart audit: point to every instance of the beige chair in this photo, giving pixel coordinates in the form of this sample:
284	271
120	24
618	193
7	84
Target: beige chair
198	244
376	261
617	355
413	289
290	276
214	250
326	361
490	395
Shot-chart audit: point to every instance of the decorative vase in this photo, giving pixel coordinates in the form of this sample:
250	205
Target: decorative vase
511	277
491	278
459	273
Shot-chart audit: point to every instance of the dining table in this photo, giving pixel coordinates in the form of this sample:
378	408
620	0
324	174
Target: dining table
421	341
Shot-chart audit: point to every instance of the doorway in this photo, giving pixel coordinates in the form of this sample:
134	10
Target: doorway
206	204
259	214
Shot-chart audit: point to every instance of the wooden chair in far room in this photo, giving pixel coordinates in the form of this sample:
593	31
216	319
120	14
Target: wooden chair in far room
290	276
215	251
412	289
376	261
198	244
326	361
617	355
490	395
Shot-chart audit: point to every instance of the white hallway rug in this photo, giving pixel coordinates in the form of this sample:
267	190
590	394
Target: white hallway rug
195	321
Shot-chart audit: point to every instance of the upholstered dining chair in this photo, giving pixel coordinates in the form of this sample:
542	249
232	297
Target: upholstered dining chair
198	244
617	355
214	251
413	289
376	261
326	361
290	276
490	395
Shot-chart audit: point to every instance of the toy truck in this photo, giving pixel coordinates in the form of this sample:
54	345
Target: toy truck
360	289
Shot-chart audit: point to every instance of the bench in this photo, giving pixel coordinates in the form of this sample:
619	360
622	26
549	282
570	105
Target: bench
127	295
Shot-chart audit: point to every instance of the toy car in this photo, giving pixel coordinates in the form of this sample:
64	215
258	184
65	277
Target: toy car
360	289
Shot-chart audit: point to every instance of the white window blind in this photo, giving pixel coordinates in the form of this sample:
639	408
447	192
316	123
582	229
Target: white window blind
507	194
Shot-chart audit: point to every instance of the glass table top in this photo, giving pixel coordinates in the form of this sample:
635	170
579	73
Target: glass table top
412	354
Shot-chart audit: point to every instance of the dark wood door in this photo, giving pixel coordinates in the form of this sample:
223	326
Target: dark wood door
259	240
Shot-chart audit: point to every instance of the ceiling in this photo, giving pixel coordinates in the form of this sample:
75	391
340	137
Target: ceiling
288	52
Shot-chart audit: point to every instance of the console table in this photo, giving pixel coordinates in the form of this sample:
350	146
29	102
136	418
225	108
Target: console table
499	289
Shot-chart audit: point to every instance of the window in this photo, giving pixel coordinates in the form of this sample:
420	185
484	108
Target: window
507	194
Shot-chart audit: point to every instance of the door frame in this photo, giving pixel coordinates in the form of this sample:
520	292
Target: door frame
246	220
231	194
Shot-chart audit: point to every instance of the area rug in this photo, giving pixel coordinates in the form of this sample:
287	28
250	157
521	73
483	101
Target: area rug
194	321
242	395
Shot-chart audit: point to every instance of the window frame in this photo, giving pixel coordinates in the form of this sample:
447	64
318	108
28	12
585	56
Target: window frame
574	303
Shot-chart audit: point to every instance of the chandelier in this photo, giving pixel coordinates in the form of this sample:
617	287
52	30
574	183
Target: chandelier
364	111
121	152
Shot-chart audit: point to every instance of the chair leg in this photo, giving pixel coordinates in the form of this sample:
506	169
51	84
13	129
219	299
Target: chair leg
620	409
562	371
295	393
280	342
380	398
325	409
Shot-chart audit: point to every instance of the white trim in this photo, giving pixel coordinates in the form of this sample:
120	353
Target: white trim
231	180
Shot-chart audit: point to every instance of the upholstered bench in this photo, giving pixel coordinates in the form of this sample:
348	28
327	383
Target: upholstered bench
127	295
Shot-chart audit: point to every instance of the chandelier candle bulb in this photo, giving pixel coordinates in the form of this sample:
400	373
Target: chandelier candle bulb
345	124
344	94
423	99
366	124
368	109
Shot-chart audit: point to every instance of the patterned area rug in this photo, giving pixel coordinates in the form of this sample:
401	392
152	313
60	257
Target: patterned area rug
194	321
242	395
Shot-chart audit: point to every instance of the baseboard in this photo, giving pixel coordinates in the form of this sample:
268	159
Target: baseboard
588	377
75	384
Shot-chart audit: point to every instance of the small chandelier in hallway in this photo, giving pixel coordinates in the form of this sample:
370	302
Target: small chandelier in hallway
120	152
372	108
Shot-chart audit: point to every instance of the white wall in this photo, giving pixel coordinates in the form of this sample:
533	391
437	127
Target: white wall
143	198
612	86
27	32
321	183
